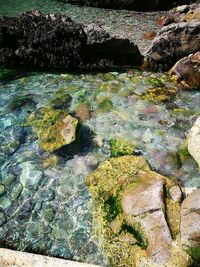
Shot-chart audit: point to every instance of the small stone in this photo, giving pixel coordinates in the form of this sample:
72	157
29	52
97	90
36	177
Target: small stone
165	20
176	194
2	189
16	191
83	113
10	148
5	202
3	219
30	176
48	213
8	180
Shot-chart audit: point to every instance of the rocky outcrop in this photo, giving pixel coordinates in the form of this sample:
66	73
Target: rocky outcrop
137	222
187	71
143	5
173	42
193	140
54	41
190	224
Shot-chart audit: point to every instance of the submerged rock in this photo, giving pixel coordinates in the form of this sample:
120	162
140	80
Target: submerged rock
172	43
193	140
54	41
187	71
54	128
190	224
137	221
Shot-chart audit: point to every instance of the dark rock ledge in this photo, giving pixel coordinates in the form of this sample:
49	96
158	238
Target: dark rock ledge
54	41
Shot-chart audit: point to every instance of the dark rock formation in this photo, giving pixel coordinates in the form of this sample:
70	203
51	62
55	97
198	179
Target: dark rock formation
173	42
142	5
53	41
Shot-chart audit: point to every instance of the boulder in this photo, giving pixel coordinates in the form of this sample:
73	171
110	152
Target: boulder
193	140
187	71
54	41
54	128
143	5
190	224
172	43
136	221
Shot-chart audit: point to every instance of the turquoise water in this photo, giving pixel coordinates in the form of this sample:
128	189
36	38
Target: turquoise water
46	208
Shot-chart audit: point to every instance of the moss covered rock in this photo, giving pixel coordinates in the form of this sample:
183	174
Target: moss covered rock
131	214
54	128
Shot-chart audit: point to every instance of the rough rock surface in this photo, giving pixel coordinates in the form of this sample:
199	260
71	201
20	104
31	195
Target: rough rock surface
54	128
193	140
130	4
190	224
143	204
18	259
173	42
129	214
187	71
54	41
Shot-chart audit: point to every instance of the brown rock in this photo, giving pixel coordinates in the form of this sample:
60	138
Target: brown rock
192	16
190	224
83	113
187	71
149	35
165	20
172	43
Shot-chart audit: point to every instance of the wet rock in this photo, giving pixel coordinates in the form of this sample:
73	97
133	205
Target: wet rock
48	213
54	41
61	100
3	219
54	128
8	180
83	113
2	189
5	202
30	176
10	148
129	199
18	102
176	194
172	43
16	191
186	71
190	224
193	140
192	15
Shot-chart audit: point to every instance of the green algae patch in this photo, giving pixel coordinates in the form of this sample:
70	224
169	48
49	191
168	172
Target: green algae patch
160	94
19	101
105	105
54	128
61	100
119	147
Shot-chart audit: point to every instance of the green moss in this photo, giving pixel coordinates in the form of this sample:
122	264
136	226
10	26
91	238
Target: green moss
184	154
106	105
152	81
61	100
112	208
137	233
18	102
160	94
120	147
194	253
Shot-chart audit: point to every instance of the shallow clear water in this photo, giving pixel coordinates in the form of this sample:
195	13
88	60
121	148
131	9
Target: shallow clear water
47	208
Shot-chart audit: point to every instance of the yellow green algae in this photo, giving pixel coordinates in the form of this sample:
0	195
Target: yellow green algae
126	244
120	147
54	128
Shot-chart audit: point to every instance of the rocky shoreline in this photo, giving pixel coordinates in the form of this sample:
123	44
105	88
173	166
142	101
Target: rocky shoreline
140	217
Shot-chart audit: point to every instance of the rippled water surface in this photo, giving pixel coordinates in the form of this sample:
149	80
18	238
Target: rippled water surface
45	206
